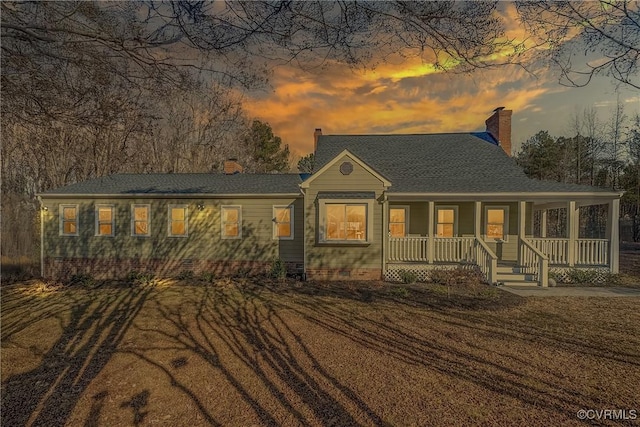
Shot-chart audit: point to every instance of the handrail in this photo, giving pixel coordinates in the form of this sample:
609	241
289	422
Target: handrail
586	251
453	249
592	251
409	248
557	249
487	261
534	261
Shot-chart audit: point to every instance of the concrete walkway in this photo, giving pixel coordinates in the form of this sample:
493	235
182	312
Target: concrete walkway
536	291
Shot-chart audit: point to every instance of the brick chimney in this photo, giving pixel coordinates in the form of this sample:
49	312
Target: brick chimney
231	166
316	134
499	126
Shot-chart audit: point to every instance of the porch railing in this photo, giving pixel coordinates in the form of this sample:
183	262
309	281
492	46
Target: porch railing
453	249
592	251
587	251
556	249
534	261
416	249
486	260
408	249
446	249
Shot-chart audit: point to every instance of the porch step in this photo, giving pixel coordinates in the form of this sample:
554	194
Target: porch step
508	269
511	275
518	277
525	283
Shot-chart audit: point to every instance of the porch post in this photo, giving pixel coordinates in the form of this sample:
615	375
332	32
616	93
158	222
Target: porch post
477	219
572	231
522	210
613	217
385	233
543	223
431	244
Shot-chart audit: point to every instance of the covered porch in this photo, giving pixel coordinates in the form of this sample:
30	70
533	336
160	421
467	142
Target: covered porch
498	234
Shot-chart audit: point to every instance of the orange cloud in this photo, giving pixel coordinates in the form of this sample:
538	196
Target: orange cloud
342	101
398	96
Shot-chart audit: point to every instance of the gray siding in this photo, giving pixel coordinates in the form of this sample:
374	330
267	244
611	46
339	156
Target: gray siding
508	251
336	256
204	237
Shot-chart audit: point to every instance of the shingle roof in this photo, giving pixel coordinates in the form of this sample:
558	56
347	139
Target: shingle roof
440	163
184	183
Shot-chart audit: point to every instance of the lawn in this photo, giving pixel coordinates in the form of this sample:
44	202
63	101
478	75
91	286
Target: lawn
241	353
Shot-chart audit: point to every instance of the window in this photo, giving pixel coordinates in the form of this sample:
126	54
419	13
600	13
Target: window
140	220
104	220
346	221
496	225
283	222
398	219
68	220
231	222
446	221
178	221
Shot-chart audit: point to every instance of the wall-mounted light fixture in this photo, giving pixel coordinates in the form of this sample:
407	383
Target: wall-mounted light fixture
45	208
200	206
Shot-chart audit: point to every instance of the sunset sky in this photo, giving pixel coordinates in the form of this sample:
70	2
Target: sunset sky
410	97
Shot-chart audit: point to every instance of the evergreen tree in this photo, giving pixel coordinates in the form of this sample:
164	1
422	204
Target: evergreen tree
307	163
265	149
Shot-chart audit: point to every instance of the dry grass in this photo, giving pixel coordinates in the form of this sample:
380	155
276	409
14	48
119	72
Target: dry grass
18	269
241	353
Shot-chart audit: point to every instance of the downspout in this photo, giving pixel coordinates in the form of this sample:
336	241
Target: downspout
40	208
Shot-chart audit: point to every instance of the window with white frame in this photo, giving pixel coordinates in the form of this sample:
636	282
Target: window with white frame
231	222
178	221
346	221
496	222
68	220
446	221
283	222
104	220
140	220
398	221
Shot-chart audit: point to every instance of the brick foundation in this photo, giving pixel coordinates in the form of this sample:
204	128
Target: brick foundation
344	274
64	268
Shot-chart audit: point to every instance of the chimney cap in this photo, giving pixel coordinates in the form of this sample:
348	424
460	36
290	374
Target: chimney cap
318	130
498	109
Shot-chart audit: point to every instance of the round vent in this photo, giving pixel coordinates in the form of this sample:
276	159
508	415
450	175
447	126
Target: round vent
346	168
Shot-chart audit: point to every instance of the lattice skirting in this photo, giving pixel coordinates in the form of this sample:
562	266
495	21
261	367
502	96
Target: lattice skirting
422	272
563	274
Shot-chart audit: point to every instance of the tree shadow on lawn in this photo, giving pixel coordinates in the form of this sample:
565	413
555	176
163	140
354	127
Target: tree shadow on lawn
249	325
254	336
466	312
91	332
238	324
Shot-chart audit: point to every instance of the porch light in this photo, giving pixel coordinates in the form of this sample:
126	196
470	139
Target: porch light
200	206
45	208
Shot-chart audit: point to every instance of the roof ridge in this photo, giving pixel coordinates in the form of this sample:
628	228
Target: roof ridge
198	173
403	134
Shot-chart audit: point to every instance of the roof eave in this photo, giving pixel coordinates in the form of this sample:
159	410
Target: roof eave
509	195
168	195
